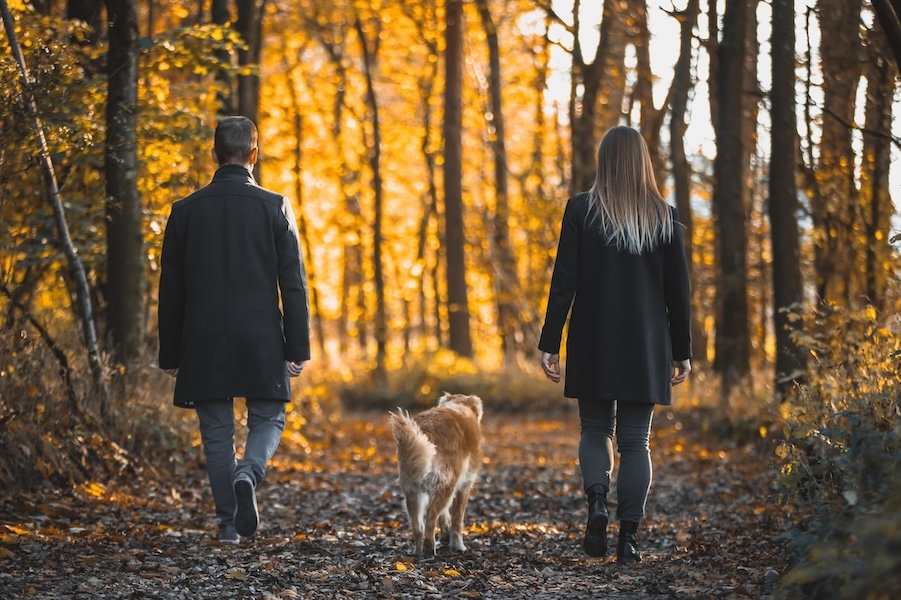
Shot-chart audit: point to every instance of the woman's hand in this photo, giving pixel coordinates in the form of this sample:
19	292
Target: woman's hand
681	369
551	365
295	368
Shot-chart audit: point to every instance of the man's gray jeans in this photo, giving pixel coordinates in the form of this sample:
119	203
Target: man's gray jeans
265	424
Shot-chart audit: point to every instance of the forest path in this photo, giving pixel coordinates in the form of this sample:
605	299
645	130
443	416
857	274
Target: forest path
333	525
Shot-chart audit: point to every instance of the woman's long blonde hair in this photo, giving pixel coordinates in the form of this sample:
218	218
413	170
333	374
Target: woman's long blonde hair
630	210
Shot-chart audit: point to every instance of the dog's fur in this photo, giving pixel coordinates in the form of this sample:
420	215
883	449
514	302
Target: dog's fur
438	457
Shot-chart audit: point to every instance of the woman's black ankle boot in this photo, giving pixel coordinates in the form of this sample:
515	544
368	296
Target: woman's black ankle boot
627	548
595	543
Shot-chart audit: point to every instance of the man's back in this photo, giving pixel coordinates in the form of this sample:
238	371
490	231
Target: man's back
230	248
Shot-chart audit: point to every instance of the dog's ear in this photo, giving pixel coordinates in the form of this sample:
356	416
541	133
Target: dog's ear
442	399
476	403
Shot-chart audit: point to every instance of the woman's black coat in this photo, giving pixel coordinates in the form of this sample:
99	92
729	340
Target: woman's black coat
230	253
631	313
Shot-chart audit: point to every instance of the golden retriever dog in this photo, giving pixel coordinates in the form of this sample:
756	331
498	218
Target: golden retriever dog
438	457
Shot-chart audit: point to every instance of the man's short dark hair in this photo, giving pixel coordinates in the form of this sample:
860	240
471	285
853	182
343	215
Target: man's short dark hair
236	137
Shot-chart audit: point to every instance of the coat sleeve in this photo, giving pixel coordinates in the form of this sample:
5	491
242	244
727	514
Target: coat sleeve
563	281
677	293
171	308
292	283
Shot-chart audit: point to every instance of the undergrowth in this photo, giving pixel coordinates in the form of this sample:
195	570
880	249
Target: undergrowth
841	459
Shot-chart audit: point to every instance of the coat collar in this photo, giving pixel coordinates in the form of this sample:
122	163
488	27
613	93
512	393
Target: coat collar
234	173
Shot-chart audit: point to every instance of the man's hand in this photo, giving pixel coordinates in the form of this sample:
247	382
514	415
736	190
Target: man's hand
295	368
171	372
551	365
681	369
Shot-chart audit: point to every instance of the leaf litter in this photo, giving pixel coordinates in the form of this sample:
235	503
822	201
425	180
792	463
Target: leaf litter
333	525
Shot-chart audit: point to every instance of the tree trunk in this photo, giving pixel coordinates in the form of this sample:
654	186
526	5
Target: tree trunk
126	271
888	13
375	153
430	211
353	314
681	87
87	11
507	288
783	198
220	15
751	95
611	85
84	312
732	361
599	107
836	212
304	229
876	198
250	26
651	118
713	52
457	292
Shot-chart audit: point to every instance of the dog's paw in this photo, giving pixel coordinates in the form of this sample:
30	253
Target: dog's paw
456	543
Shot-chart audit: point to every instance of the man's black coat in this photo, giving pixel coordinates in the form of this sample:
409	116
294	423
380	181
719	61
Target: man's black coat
631	314
230	252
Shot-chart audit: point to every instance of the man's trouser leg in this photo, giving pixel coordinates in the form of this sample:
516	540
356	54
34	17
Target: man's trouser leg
217	430
265	424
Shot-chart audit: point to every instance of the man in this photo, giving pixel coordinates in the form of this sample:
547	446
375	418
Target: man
230	258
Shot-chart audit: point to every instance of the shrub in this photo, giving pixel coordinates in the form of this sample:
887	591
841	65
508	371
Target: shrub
842	461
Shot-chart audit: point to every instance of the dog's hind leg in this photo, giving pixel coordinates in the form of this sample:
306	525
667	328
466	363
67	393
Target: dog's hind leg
415	503
457	512
444	527
438	504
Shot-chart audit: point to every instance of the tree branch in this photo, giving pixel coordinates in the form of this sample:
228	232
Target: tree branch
896	141
64	371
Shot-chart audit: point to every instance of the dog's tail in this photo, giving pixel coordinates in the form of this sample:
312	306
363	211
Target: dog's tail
415	452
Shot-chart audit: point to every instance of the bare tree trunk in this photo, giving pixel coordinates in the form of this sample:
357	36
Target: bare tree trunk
599	106
250	26
681	87
126	272
457	292
713	52
532	182
837	210
42	7
76	273
87	11
876	198
220	15
375	153
732	361
888	13
611	85
353	315
751	96
430	210
651	117
783	199
506	278
303	225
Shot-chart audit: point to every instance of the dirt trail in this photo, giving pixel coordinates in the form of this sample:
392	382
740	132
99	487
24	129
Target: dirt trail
333	526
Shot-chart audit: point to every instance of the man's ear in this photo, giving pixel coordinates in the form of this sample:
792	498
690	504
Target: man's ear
213	154
254	154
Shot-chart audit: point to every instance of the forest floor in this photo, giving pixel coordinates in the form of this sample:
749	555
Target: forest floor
333	525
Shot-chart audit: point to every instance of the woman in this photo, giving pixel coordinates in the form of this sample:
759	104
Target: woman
621	267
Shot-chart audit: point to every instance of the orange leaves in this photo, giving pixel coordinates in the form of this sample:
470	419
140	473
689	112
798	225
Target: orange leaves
93	489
